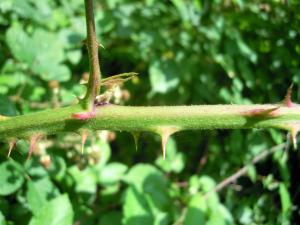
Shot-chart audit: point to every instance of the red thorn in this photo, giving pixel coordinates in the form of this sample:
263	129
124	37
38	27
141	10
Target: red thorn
262	112
84	115
288	97
11	146
84	136
33	141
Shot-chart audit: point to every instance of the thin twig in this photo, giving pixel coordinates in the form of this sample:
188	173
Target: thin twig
244	169
93	86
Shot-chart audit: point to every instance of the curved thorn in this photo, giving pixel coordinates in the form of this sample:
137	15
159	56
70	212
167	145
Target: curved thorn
288	97
33	141
271	112
12	144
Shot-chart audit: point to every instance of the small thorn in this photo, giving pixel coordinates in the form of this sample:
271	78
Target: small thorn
294	133
288	97
165	134
100	45
11	146
164	145
84	136
136	136
33	141
262	112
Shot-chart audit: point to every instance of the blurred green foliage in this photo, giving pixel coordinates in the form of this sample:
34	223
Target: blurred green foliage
186	52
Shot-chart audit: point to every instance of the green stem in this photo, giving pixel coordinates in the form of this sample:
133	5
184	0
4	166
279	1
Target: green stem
93	86
155	119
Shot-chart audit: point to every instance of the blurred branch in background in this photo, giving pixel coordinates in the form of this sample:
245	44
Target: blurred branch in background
243	171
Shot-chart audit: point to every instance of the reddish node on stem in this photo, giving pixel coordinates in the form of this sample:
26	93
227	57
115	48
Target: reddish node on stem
84	136
262	112
33	141
288	97
12	144
84	115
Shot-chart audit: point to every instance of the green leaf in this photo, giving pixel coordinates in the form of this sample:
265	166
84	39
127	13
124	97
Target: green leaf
20	44
285	198
140	174
58	168
111	218
196	211
12	177
182	9
112	173
37	11
163	76
39	192
105	152
74	56
2	219
7	108
42	57
10	81
251	170
136	210
4	205
85	180
55	212
148	192
203	184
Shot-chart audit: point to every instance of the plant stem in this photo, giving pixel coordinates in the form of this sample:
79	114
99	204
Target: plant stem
93	86
155	119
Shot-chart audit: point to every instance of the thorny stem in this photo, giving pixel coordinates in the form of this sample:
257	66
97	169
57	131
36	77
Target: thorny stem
93	86
158	119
